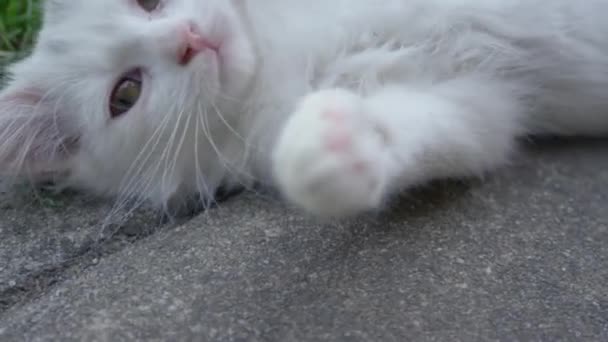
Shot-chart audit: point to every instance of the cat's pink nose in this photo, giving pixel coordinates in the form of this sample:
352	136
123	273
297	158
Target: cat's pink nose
192	43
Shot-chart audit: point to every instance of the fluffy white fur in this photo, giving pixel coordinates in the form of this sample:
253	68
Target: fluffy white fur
337	103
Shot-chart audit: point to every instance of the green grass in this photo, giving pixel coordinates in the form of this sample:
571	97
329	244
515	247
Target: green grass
19	22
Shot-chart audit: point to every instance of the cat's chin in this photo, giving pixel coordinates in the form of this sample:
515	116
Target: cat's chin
188	205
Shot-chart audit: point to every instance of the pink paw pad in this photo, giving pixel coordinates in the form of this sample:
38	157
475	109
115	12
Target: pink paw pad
360	167
334	115
339	140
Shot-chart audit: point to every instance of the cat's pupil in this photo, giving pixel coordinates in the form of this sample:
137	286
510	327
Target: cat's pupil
148	5
126	94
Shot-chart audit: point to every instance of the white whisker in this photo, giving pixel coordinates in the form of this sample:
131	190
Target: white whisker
205	192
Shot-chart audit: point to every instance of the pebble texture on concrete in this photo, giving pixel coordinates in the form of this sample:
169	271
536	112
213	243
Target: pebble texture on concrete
521	255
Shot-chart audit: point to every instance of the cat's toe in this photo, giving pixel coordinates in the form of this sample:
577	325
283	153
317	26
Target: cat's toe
331	157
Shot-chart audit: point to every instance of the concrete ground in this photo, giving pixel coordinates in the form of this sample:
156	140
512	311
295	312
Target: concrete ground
519	256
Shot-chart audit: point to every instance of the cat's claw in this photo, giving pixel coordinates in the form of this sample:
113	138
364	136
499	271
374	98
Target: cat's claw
331	157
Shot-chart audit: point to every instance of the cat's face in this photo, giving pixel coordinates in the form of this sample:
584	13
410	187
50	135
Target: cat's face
124	96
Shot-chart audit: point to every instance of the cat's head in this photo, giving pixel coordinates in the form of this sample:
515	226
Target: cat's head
127	97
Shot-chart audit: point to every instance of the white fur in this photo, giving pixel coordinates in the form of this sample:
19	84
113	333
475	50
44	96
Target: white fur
338	103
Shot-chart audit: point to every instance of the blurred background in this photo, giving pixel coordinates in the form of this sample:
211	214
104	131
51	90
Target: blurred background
19	22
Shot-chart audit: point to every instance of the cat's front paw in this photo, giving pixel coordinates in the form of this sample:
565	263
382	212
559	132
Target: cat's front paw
331	158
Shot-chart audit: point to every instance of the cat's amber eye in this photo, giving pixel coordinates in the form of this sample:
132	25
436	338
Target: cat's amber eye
148	5
126	93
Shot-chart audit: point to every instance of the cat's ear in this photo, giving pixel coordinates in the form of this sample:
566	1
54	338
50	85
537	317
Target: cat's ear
37	138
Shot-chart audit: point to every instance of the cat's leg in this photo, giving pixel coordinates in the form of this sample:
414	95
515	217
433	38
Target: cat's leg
340	154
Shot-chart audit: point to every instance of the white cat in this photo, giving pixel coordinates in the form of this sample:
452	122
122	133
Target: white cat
339	103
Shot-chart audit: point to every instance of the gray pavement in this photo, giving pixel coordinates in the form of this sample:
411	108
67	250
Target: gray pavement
519	256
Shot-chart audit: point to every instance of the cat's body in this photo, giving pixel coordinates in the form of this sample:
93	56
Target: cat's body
339	104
